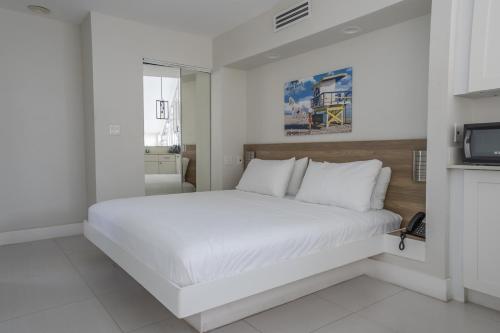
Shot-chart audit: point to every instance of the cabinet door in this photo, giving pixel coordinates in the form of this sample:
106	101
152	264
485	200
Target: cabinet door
485	46
150	158
482	229
168	167
151	167
166	158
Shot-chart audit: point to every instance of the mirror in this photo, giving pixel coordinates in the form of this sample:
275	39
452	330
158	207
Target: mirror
176	130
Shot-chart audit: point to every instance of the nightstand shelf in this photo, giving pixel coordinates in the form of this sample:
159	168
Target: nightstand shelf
414	246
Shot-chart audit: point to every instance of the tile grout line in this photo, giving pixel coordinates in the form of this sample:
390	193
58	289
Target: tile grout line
343	317
314	330
96	296
357	311
366	306
277	306
146	325
385	298
381	300
55	306
47	309
88	286
250	324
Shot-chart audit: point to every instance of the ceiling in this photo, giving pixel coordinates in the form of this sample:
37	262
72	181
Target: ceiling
400	12
205	17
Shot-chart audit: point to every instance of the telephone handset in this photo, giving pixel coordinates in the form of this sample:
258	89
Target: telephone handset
416	227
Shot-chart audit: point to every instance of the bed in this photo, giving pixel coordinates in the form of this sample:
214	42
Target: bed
157	184
250	251
235	231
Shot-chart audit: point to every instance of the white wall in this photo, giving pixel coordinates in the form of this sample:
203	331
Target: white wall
390	74
188	102
229	130
42	172
118	47
195	100
88	108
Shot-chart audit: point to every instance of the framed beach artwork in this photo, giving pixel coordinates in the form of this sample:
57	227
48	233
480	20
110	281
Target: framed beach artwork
320	104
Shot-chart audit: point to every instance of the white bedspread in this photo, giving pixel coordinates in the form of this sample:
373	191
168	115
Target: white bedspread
198	237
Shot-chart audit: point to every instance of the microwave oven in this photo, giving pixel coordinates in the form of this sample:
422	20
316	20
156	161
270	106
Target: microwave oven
482	143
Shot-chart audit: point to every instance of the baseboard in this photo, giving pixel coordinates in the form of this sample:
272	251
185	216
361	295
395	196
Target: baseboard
30	235
417	281
488	301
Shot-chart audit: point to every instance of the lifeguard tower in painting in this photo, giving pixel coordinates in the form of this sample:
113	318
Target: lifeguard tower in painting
319	104
329	105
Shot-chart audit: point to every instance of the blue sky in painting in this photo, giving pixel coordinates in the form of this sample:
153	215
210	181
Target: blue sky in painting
302	90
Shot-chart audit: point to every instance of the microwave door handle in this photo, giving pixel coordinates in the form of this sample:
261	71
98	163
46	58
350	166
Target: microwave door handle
467	144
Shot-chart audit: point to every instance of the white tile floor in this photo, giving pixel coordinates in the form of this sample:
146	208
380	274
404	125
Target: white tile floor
69	286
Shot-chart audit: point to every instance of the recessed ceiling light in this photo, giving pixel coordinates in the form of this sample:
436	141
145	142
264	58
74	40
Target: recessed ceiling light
37	9
351	30
273	56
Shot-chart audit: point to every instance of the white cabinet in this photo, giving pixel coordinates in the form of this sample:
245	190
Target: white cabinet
151	167
485	46
167	167
478	48
161	163
481	231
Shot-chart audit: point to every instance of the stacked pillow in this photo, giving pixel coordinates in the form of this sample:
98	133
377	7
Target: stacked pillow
359	186
347	185
268	177
298	173
273	177
380	190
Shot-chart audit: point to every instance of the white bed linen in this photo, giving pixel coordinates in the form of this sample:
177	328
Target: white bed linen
193	238
166	183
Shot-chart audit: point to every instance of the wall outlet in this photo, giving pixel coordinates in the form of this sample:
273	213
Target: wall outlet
114	130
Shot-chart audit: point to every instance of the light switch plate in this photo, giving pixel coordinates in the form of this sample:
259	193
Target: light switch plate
114	129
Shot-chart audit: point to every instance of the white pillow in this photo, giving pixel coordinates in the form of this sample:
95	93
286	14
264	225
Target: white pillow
347	185
269	177
297	175
380	190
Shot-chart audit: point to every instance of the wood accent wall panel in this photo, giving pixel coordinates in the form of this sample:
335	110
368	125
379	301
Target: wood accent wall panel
404	196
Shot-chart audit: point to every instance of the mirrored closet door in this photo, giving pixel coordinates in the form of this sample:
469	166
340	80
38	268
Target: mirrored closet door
176	129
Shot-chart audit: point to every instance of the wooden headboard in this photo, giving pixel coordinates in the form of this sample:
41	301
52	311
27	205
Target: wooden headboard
189	151
404	196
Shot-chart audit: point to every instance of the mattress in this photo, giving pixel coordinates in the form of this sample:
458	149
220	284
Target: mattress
166	183
192	238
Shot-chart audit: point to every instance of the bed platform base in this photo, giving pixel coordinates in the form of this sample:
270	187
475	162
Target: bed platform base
232	312
216	303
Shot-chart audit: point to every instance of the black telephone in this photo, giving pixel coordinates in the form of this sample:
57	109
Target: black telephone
416	226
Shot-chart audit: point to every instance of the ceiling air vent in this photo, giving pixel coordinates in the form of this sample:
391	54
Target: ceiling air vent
292	15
